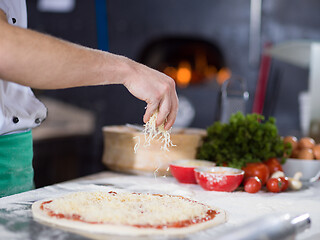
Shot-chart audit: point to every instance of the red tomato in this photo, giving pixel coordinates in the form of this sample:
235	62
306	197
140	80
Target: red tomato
252	185
285	183
274	185
273	165
259	170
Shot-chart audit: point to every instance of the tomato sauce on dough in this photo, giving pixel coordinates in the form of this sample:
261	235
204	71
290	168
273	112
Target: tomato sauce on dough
210	214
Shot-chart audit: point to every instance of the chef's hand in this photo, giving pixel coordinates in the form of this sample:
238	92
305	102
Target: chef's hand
157	90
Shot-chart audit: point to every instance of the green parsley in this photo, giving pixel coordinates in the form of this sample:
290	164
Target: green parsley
243	140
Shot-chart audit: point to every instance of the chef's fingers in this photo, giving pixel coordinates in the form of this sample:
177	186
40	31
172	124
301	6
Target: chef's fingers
151	108
168	110
164	111
173	113
171	117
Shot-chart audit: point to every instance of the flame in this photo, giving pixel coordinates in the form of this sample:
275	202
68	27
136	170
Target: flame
223	75
184	74
171	72
201	61
210	72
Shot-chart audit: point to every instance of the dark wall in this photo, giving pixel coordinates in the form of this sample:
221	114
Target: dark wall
78	26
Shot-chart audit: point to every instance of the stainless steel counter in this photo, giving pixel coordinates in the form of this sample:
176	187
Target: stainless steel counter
16	220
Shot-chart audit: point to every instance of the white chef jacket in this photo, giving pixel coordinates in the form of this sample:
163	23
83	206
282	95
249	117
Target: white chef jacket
20	110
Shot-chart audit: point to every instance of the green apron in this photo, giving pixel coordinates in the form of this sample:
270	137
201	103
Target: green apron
16	172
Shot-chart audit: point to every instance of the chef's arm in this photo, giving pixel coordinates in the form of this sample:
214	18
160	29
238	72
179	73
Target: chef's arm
44	62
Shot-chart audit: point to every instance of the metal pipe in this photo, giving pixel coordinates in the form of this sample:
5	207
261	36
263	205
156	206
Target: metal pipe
255	32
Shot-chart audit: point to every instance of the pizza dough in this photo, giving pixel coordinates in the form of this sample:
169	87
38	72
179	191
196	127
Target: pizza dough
132	214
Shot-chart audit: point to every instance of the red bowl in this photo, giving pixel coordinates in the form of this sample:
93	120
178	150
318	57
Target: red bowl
183	170
223	179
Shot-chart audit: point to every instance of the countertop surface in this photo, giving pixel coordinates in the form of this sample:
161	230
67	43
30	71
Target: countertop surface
16	220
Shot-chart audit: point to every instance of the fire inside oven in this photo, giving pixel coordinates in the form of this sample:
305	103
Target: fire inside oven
189	61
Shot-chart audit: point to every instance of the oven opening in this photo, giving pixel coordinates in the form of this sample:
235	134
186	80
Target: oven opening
189	61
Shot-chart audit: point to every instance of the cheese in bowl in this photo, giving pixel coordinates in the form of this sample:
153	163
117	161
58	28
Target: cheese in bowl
223	179
183	170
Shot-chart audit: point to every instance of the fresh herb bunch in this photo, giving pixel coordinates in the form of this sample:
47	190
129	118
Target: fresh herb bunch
243	140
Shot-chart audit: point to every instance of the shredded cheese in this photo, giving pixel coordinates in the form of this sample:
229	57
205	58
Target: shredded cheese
151	132
127	208
136	146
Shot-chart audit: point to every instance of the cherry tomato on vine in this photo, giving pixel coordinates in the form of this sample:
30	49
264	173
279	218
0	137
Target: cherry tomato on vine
274	185
285	183
259	170
252	185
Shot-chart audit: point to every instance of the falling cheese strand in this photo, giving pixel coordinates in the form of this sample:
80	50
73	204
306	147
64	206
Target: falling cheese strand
136	146
151	132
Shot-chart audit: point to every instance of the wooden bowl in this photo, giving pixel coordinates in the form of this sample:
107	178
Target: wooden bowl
119	155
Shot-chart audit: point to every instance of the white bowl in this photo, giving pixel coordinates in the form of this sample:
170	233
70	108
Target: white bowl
310	169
